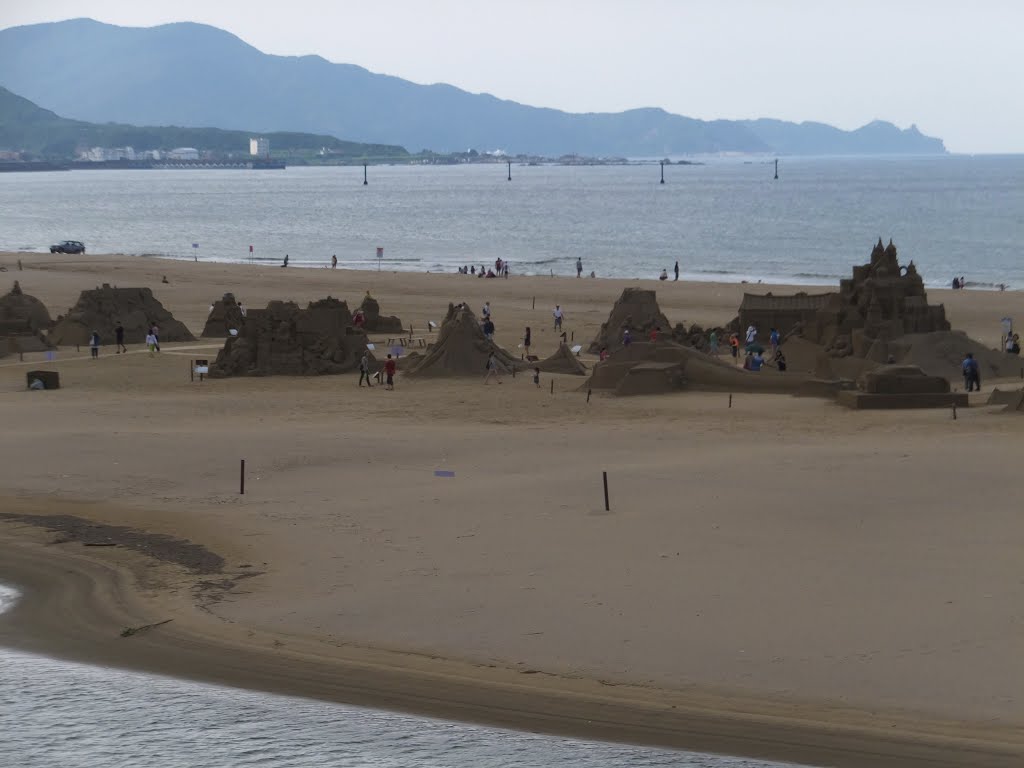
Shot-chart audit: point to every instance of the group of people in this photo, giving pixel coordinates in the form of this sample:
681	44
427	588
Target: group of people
390	366
754	358
959	283
152	340
664	273
500	269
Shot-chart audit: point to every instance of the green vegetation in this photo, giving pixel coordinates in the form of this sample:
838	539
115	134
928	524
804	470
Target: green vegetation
42	134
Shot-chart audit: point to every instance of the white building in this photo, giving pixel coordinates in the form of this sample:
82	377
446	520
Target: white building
184	153
259	147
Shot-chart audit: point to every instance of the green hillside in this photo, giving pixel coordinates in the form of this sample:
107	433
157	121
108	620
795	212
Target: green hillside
29	128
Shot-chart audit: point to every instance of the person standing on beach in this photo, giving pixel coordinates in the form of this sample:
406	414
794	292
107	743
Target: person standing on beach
285	262
751	334
713	343
773	339
94	344
485	311
579	267
734	347
627	339
119	338
972	374
558	314
389	370
364	369
151	343
526	341
489	328
334	261
536	376
492	369
677	270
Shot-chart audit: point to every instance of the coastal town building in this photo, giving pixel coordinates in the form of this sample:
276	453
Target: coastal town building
259	147
183	153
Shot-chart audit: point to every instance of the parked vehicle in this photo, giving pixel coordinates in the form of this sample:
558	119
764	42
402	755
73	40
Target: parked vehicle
68	246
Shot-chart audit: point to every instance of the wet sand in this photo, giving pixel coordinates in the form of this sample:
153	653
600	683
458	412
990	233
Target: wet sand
783	579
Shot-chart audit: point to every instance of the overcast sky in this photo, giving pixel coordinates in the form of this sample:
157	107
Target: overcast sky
954	68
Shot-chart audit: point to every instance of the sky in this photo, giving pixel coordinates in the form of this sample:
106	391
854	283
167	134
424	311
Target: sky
953	68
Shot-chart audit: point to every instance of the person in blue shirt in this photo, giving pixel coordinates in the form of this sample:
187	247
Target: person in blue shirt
972	373
773	339
756	361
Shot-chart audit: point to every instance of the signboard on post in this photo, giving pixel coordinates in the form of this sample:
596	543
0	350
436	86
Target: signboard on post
195	251
380	256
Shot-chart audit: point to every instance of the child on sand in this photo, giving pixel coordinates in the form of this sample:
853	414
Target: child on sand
558	314
94	344
389	369
713	343
119	338
536	376
151	343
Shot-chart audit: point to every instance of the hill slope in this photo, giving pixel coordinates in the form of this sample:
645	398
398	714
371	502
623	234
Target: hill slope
191	74
26	126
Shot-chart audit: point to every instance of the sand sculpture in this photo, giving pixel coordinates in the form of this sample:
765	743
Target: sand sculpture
225	316
880	302
103	308
646	368
461	348
563	361
375	322
1004	396
286	340
901	386
636	309
23	319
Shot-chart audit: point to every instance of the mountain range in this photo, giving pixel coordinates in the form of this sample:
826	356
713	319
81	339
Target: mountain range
28	127
195	75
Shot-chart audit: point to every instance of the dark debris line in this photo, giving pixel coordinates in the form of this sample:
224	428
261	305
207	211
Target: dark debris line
168	549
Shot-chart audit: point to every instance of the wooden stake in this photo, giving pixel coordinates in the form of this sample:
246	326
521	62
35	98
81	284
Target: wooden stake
241	479
954	410
730	401
607	506
588	394
552	386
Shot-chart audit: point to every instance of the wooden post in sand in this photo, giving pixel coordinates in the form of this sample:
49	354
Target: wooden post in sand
534	306
607	507
954	410
192	370
552	386
588	394
730	401
241	479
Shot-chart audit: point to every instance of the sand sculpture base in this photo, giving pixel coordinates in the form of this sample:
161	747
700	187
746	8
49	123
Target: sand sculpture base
862	401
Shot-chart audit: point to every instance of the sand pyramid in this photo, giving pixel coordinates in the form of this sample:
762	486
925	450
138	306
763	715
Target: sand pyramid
1004	396
461	348
103	308
23	319
563	361
285	340
225	316
1016	405
636	309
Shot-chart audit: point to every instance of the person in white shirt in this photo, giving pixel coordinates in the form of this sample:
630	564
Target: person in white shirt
486	311
558	315
151	343
751	334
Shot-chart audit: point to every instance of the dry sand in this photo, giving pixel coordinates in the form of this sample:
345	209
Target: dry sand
784	578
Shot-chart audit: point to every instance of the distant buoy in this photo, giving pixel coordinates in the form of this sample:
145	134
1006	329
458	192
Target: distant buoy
776	170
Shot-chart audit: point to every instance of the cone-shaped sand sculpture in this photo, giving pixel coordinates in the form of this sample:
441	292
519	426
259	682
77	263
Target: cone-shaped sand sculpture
285	340
563	361
23	318
461	348
102	309
225	316
636	309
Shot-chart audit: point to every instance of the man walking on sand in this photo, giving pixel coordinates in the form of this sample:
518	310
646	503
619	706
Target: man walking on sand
94	344
677	270
389	369
579	267
119	338
558	314
334	261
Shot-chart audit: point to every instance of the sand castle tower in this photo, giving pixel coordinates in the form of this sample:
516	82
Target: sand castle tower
563	361
103	308
225	316
461	348
375	321
636	309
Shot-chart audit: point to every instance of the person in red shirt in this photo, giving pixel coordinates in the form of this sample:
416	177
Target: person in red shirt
389	370
655	332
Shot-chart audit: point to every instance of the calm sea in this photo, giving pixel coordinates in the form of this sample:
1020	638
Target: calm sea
725	220
58	713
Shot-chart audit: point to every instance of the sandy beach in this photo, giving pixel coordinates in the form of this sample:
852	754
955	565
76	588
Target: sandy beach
783	578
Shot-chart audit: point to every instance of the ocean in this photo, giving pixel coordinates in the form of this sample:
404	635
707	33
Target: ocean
725	220
59	713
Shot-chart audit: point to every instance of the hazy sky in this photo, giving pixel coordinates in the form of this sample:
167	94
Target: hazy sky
954	68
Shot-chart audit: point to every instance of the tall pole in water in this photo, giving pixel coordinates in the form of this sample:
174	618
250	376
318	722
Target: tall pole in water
662	171
510	170
365	182
776	169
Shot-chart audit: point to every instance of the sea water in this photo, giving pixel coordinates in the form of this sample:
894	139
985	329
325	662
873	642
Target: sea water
727	219
59	713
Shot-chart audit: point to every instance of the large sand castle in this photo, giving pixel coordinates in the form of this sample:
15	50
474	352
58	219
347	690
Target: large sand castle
636	309
461	348
286	340
225	316
103	308
374	321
